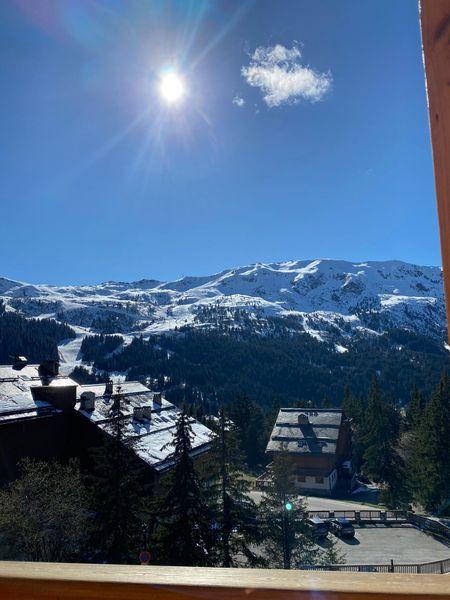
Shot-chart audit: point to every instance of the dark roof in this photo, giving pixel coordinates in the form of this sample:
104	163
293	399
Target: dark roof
153	437
306	431
16	392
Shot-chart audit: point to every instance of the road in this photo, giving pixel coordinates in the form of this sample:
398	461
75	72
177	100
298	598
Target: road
315	503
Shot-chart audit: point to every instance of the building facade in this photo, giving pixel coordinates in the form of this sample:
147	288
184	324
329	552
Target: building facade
46	415
318	443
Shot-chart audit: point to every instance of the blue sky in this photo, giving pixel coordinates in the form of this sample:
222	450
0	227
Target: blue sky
302	133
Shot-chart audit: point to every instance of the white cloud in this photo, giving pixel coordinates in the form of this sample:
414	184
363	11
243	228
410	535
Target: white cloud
278	73
238	101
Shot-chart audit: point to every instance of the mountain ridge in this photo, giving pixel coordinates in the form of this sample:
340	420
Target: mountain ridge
326	298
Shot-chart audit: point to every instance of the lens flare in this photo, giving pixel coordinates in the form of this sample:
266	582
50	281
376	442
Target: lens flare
171	88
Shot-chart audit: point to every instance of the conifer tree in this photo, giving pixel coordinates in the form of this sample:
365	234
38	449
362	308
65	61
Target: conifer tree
250	422
235	510
353	408
382	461
184	533
415	408
288	541
430	460
117	490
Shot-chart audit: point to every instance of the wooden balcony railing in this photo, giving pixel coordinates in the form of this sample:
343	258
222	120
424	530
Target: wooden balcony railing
39	581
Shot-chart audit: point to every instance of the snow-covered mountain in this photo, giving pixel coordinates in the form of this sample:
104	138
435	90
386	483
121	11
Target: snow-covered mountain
322	297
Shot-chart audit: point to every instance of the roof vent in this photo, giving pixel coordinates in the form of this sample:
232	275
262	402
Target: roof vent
157	398
303	419
138	413
87	401
19	362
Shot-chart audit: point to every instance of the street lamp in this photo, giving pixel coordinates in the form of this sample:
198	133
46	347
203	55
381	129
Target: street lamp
288	506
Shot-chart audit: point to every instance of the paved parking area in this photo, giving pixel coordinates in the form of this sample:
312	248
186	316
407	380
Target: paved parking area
403	544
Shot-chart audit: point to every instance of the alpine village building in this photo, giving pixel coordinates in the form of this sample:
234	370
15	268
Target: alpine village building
318	444
46	415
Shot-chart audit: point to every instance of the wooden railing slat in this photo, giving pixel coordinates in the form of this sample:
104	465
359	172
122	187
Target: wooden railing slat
40	581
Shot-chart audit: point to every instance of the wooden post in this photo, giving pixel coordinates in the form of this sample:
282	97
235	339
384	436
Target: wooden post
435	24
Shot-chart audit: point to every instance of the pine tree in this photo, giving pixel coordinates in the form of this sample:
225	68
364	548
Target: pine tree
382	460
288	542
415	408
353	408
251	424
235	510
117	490
430	460
183	533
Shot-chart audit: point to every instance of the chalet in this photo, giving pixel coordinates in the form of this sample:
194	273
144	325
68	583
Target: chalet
318	442
45	415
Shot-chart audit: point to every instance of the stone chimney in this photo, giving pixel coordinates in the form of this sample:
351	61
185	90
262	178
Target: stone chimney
87	401
138	413
49	368
19	362
109	388
147	410
157	398
303	419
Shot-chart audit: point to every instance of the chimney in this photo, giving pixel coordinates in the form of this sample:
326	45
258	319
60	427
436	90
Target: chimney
157	398
138	413
87	401
19	362
109	388
49	368
147	410
303	419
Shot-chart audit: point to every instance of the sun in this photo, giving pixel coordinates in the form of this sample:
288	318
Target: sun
171	88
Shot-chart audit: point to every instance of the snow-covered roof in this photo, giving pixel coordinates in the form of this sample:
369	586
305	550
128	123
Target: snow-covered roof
152	438
16	392
306	431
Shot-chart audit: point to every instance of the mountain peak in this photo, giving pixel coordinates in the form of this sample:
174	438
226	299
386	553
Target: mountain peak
323	297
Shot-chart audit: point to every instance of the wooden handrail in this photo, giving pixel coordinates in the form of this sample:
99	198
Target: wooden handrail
38	581
435	22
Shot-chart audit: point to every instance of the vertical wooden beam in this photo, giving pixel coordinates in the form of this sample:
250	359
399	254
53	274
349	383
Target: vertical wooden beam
435	24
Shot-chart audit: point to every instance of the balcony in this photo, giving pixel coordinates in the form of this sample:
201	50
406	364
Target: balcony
20	580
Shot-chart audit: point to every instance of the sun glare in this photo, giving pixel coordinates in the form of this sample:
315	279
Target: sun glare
171	88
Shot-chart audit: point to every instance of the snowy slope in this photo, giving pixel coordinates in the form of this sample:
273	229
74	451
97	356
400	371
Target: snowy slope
322	297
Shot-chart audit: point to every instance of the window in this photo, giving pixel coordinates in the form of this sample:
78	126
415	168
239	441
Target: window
301	478
318	479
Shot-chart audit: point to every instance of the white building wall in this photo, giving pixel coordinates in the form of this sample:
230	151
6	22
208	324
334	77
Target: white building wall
310	483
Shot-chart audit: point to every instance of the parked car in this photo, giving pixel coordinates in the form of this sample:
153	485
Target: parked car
318	527
342	528
363	479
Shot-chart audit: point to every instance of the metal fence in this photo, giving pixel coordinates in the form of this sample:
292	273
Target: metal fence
363	516
436	567
429	525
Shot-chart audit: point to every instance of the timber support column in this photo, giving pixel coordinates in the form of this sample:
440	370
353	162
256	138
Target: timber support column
435	25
